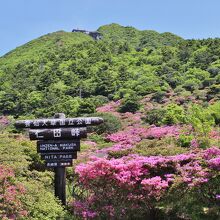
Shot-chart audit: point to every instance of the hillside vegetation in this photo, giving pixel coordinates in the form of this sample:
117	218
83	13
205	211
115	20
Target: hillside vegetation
50	73
155	157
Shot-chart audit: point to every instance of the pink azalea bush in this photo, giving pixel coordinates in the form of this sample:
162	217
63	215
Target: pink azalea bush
4	121
110	107
164	131
132	135
214	134
10	193
131	119
133	185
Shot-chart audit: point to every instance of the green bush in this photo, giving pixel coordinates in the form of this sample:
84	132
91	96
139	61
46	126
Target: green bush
192	84
129	104
202	121
185	140
41	202
119	154
213	91
165	147
179	89
111	124
99	100
171	114
86	106
215	112
158	96
21	155
16	152
197	203
155	116
174	115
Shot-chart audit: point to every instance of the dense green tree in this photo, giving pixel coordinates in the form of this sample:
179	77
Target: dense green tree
129	104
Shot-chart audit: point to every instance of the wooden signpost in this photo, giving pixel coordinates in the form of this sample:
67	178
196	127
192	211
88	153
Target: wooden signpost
58	141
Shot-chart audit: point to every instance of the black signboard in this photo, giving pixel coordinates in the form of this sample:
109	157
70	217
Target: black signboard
58	141
59	122
58	146
58	133
59	156
67	163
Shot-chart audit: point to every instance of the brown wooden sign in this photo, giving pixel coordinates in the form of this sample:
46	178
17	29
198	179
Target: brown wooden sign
58	133
58	122
58	146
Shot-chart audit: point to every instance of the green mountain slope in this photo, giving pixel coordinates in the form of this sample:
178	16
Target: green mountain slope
35	49
115	32
72	73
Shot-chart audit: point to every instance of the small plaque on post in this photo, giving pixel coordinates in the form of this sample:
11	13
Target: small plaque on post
68	163
58	146
59	156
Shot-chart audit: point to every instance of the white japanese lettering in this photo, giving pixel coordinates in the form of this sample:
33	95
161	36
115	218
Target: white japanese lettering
44	123
75	132
27	123
62	122
79	121
37	134
36	123
71	122
88	121
57	132
53	122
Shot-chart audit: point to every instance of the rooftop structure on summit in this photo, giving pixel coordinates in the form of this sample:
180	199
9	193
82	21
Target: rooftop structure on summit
94	34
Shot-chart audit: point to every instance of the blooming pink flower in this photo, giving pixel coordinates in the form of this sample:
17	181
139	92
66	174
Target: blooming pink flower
217	197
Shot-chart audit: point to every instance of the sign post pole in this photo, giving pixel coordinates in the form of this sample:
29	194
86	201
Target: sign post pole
60	184
60	176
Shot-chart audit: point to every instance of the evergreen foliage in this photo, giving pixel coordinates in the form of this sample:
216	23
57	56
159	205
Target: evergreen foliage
52	72
152	158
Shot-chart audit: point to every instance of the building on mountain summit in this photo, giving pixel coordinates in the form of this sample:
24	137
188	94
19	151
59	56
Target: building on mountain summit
94	34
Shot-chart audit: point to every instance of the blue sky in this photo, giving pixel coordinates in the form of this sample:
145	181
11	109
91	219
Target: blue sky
24	20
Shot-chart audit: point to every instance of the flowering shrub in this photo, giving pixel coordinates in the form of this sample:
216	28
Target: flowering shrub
110	107
164	131
130	119
194	143
4	122
215	134
125	139
133	185
10	193
132	135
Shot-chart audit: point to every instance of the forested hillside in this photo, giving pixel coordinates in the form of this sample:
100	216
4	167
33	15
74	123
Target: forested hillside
156	157
51	73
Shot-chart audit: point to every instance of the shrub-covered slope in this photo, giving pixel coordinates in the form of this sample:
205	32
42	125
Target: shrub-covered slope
51	73
157	154
136	38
